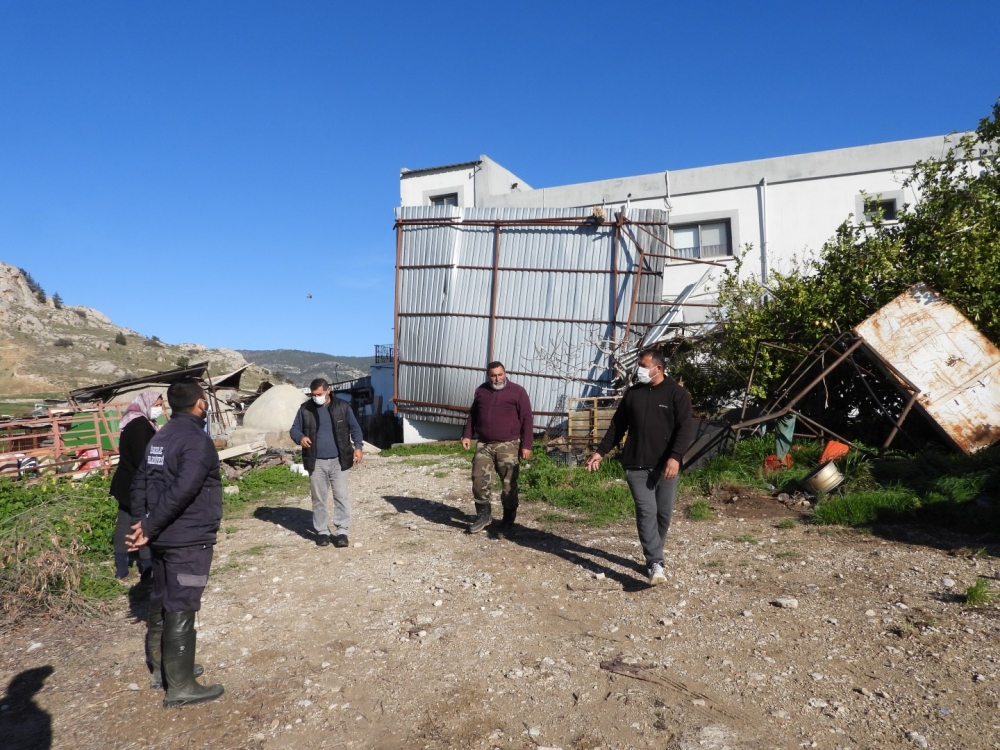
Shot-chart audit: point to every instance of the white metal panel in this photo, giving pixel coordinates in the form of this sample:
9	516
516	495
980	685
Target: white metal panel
942	353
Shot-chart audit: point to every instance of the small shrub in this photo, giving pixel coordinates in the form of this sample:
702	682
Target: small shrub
979	593
183	361
785	523
62	342
81	313
700	510
120	339
748	539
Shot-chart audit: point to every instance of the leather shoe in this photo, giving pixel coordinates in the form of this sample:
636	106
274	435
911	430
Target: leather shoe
341	540
323	540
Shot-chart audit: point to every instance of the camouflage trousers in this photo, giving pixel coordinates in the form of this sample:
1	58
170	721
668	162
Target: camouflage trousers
503	459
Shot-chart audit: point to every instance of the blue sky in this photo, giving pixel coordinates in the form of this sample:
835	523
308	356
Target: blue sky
195	169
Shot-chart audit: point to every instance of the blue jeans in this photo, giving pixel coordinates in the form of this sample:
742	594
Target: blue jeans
654	504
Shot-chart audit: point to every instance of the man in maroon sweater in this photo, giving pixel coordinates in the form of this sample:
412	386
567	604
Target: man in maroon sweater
501	417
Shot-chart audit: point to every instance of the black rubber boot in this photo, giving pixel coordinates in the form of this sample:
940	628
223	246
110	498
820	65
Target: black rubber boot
179	641
509	516
484	516
154	650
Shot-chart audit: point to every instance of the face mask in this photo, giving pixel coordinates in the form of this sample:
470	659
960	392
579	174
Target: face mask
155	412
642	375
498	386
320	400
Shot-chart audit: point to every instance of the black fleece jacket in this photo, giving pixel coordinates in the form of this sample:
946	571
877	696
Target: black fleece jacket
658	421
177	490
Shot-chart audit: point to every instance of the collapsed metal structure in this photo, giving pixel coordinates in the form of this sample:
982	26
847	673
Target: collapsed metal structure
559	296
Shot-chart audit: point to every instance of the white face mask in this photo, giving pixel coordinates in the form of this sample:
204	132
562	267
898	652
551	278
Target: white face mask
642	375
320	400
155	412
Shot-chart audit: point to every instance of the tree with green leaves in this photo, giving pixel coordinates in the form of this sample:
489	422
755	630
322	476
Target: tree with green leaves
950	239
120	339
57	301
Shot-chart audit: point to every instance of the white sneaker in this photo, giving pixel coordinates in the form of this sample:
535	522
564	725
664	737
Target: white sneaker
656	576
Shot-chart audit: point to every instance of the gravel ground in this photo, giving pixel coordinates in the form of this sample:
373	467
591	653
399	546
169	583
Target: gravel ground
420	635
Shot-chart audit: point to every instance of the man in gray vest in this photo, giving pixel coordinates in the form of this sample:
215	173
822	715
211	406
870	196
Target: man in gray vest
331	442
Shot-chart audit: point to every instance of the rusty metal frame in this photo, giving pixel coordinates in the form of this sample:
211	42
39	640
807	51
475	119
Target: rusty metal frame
841	347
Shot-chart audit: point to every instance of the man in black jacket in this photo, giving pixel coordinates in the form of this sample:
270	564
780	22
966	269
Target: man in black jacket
656	414
332	443
177	495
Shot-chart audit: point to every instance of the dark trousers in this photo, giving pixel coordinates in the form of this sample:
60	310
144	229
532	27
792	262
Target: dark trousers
654	505
180	575
124	558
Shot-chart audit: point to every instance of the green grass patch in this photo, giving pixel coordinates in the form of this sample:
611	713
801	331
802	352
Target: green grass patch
231	529
550	518
425	449
700	510
787	554
54	537
272	483
785	523
715	564
420	462
442	474
255	550
748	538
980	593
601	497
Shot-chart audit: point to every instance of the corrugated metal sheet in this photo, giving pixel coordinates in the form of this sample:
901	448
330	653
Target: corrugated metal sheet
445	313
941	352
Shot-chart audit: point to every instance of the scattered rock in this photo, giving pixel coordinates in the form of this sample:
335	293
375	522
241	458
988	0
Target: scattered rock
948	582
231	489
786	602
917	739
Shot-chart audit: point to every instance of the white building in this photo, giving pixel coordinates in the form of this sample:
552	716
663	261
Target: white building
784	207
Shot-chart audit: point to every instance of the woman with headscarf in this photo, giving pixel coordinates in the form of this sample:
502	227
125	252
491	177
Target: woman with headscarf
137	427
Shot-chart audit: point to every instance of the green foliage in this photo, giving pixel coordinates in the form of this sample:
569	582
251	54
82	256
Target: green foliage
183	361
40	296
979	593
949	240
33	286
274	482
785	523
63	342
120	339
700	510
57	301
602	496
54	537
427	449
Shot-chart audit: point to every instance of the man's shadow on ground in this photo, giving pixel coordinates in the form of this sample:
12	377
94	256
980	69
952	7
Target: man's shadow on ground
298	520
24	725
592	559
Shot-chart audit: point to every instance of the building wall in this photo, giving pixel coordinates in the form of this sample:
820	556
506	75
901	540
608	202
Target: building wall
416	189
807	197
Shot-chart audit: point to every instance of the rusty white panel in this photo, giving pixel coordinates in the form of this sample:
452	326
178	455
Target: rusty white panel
940	351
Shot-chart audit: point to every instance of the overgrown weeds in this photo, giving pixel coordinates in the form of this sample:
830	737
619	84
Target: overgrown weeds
425	449
980	593
601	496
54	535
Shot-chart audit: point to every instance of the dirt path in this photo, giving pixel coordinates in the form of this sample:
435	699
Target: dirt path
422	636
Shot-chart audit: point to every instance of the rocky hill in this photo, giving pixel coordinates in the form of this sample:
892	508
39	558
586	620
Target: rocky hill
47	347
301	367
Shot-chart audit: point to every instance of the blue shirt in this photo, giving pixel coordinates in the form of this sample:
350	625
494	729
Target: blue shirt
326	446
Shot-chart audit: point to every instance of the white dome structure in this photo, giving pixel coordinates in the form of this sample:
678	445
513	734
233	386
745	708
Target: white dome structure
270	417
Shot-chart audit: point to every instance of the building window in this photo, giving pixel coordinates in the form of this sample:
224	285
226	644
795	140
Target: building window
450	199
876	206
704	240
